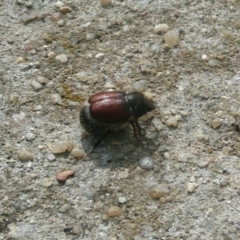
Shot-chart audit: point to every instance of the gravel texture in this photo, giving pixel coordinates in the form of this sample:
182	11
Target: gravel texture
185	55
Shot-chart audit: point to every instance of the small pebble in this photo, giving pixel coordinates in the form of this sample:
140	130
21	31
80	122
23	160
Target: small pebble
149	95
10	40
98	205
191	187
109	85
42	80
70	182
139	86
177	13
19	119
13	98
114	211
57	16
226	34
46	182
28	4
56	98
33	51
163	148
82	76
146	163
59	4
36	85
60	22
77	153
172	122
126	28
99	55
157	124
38	108
158	192
65	10
48	39
24	155
51	157
166	199
122	199
64	208
62	176
51	54
201	136
90	36
34	175
173	111
203	164
60	147
160	28
62	58
204	57
146	66
37	64
123	174
105	217
171	38
213	63
216	123
105	3
77	229
30	136
227	150
184	113
166	155
20	60
26	66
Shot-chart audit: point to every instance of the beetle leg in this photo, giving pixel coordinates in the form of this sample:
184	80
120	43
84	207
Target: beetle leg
134	127
138	126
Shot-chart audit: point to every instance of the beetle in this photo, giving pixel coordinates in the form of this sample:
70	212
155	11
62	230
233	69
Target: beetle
112	110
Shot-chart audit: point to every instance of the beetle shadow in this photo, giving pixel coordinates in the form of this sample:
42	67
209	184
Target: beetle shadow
118	149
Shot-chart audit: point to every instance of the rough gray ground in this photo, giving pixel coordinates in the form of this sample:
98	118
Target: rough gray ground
193	190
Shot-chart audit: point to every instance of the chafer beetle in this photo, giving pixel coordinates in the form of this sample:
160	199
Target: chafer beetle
109	110
106	111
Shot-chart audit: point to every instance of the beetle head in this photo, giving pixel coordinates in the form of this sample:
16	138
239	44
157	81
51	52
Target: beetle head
139	104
